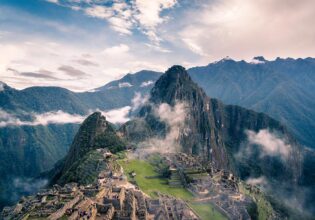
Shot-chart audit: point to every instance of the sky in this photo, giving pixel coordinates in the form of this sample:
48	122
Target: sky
84	44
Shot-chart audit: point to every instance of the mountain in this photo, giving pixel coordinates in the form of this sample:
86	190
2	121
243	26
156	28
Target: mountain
94	133
179	113
212	131
217	132
25	151
144	79
282	88
36	148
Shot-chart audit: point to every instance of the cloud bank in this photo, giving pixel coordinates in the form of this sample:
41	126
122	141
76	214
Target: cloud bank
28	185
139	100
269	144
257	181
54	117
146	83
117	116
218	29
125	17
174	119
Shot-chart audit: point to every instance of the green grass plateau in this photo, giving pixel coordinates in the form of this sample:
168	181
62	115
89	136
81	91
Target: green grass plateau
155	183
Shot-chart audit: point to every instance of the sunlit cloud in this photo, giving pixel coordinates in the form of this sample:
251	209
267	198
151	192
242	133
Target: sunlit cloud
243	29
103	40
54	117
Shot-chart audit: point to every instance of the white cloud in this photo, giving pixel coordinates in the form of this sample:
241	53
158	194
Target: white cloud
1	87
118	116
57	117
139	100
192	36
124	16
269	143
116	50
99	12
146	83
28	185
40	54
119	15
257	181
148	14
53	1
35	56
174	118
194	47
149	11
244	29
120	25
158	48
122	115
124	85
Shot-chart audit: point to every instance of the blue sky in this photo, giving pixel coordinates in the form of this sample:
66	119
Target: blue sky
83	44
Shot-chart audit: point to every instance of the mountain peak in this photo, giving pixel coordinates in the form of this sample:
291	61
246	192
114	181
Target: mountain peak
176	69
3	86
94	133
260	58
91	127
174	85
174	73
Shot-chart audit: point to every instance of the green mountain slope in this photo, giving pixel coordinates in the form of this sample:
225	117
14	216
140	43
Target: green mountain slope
26	151
94	133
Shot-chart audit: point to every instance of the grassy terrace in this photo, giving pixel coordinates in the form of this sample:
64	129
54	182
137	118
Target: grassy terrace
155	184
151	185
206	211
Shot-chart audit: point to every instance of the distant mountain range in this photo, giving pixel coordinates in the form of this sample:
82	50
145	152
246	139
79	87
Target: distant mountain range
283	88
115	94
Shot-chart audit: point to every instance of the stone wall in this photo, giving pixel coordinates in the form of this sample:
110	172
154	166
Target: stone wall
58	214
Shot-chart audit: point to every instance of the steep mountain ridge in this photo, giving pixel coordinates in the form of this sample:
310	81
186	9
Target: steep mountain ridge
94	133
216	131
141	79
282	88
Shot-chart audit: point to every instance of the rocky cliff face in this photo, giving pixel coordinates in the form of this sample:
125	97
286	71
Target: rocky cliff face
215	131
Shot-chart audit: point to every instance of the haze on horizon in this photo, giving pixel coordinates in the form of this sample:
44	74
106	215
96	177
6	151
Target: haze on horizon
83	44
